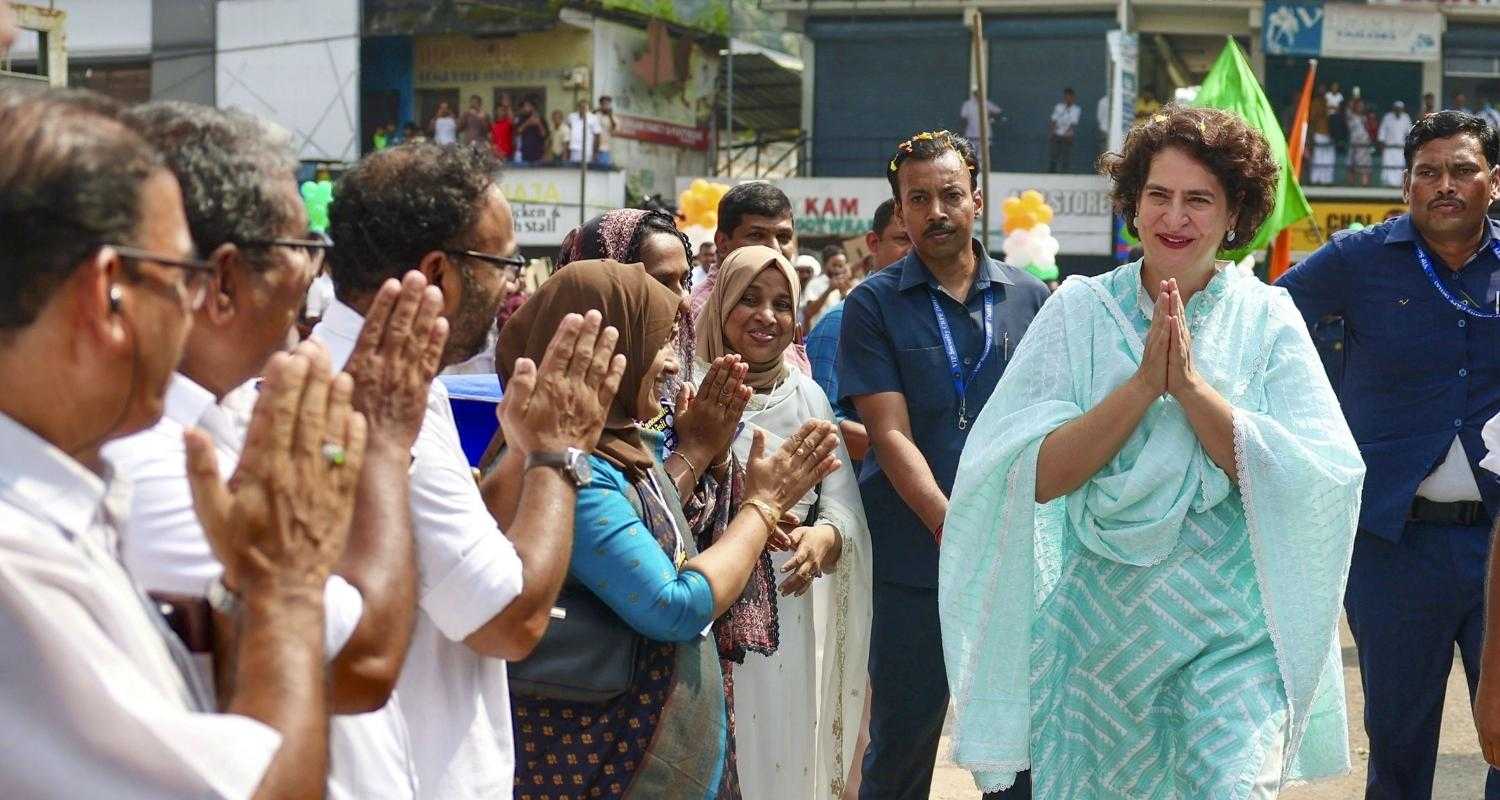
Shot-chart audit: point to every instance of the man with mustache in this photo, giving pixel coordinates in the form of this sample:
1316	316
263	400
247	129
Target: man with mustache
1418	296
922	346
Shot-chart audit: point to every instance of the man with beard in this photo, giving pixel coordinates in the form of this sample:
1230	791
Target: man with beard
483	598
922	346
1418	297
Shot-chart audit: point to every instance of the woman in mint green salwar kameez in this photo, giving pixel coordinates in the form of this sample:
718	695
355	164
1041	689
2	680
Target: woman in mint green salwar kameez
1147	544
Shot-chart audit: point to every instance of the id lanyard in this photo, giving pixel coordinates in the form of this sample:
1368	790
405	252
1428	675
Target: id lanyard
955	370
679	553
1468	308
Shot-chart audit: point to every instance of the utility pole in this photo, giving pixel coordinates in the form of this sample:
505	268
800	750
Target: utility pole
979	89
729	102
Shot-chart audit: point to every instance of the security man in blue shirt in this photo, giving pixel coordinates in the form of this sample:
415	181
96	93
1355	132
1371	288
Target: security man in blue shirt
1420	300
922	346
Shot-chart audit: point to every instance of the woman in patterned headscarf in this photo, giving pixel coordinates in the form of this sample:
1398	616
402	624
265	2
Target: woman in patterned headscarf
666	735
697	433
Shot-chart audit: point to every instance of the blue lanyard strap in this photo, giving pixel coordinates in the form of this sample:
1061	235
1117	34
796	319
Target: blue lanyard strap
1426	261
955	370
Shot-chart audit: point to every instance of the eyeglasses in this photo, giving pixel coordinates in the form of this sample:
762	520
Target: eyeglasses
511	263
314	249
195	284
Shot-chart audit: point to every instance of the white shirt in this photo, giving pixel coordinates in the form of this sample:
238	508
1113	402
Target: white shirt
165	550
1334	100
456	702
1393	129
970	113
319	295
1452	481
445	130
1065	119
576	128
93	702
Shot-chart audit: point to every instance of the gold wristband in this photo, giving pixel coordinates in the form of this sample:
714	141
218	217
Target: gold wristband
767	514
687	461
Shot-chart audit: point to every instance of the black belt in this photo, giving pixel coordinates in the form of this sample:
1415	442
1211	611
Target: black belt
1464	512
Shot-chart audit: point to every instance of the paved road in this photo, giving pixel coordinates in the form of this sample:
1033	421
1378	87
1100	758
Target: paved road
1460	771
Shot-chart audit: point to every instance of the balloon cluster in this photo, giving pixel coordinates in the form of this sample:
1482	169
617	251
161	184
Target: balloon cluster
698	205
317	196
1029	242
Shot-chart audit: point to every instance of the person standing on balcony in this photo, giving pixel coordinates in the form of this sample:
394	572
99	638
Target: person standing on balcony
1063	128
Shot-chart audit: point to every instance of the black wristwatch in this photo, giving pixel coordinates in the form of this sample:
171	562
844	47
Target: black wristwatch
573	462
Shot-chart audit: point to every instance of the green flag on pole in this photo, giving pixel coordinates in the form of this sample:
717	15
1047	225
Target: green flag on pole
1231	86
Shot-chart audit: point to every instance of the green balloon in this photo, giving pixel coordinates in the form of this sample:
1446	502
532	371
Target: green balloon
1356	226
317	196
1042	273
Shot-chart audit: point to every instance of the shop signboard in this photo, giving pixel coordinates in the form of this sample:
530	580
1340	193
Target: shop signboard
1334	216
843	208
1123	50
1350	30
544	201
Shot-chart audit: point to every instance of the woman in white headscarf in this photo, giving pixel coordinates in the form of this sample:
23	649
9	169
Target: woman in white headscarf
797	711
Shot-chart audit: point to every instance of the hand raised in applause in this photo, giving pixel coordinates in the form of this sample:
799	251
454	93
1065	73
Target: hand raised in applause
283	518
564	402
399	352
800	463
706	421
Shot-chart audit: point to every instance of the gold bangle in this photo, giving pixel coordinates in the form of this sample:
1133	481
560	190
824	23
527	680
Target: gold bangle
767	514
687	461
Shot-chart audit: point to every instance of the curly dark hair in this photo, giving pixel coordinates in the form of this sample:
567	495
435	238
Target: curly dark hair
399	204
927	146
1234	152
70	178
652	224
233	169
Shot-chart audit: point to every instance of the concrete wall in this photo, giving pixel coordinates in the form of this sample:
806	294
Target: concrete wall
296	64
182	50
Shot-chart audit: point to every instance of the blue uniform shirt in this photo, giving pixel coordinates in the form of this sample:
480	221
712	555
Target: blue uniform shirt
1416	370
823	354
890	342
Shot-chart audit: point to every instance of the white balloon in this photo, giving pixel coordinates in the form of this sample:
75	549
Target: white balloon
1041	230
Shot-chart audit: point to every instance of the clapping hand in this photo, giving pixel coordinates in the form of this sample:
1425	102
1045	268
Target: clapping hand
566	401
399	352
284	516
782	478
706	421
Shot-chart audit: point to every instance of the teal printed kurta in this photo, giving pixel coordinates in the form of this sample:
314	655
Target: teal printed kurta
1152	633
